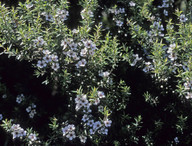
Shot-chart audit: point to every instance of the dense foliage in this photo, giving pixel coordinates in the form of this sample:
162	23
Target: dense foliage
96	73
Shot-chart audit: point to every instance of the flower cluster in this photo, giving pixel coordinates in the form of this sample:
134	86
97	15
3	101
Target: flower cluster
172	53
189	95
20	133
17	131
166	5
183	18
188	89
104	74
136	59
49	58
83	138
90	126
81	101
86	13
84	104
117	12
148	67
176	140
98	126
48	16
31	110
119	23
188	85
32	137
62	14
69	131
39	42
78	52
20	98
156	31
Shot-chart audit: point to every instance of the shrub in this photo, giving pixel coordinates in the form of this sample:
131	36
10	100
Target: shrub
121	77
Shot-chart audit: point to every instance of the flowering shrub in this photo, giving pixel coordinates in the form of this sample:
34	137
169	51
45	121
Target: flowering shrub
77	64
161	47
96	96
